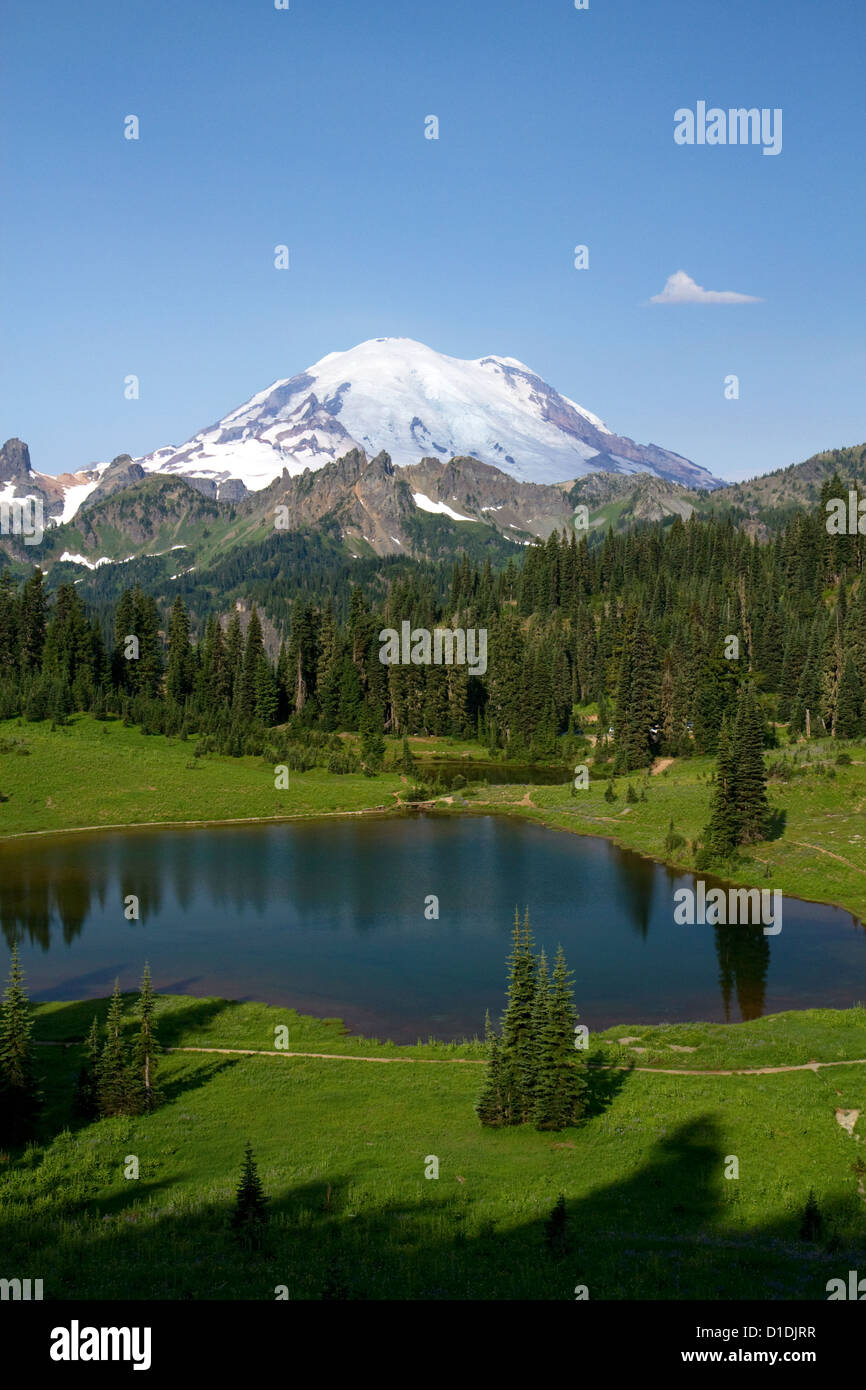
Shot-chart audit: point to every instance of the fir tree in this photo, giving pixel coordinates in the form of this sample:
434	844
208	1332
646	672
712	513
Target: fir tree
115	1085
492	1106
540	1023
146	1045
407	762
849	701
254	654
179	671
20	1096
560	1083
250	1213
372	749
85	1103
722	834
750	773
517	1020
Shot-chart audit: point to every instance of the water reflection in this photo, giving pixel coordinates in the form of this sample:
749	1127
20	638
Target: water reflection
330	917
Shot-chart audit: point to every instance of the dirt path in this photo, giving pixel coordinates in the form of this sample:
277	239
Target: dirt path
481	1062
660	765
472	1062
336	1056
847	862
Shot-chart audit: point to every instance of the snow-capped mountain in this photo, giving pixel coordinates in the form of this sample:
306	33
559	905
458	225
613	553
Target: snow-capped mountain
398	396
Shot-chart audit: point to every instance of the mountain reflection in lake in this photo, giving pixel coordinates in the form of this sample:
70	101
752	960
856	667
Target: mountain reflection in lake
328	917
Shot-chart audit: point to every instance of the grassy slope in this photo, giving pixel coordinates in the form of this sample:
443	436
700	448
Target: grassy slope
342	1148
104	774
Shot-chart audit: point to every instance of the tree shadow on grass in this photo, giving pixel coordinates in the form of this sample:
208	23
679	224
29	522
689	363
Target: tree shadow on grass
71	1022
604	1081
776	823
662	1232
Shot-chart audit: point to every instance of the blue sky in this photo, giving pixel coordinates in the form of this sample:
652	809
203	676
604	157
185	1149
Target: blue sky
306	127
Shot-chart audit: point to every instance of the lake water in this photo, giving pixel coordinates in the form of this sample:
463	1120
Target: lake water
328	917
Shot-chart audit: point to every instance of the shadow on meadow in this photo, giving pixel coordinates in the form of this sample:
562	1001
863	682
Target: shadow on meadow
661	1233
70	1022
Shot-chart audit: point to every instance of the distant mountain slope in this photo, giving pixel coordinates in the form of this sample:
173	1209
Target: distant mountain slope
798	485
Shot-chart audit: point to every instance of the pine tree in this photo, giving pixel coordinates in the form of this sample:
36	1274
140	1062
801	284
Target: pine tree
115	1085
84	1102
179	670
250	1214
20	1096
254	654
234	649
517	1020
540	1022
722	834
372	749
32	621
492	1106
147	670
146	1046
560	1084
407	762
849	701
750	773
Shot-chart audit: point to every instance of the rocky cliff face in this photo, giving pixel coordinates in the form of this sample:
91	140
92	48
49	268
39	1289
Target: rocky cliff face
14	462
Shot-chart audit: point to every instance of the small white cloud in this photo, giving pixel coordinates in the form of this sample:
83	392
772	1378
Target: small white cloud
682	289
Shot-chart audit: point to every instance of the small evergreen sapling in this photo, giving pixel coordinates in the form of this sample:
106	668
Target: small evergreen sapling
250	1214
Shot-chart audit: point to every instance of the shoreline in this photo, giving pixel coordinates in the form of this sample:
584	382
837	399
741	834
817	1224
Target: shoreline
536	815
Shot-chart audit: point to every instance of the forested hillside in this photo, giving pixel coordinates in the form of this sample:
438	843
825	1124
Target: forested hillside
638	626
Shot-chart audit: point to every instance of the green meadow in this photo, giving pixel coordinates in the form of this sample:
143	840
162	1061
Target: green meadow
342	1148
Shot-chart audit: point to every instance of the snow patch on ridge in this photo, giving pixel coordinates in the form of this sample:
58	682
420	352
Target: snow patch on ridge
441	508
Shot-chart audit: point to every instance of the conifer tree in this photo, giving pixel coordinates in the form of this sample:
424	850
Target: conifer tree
492	1106
254	654
85	1103
372	748
31	623
20	1095
234	649
146	1045
722	834
560	1084
540	1023
115	1085
147	670
849	701
408	762
517	1019
179	670
250	1213
750	773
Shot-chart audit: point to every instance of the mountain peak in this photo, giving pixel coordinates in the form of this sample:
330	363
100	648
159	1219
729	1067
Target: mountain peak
400	396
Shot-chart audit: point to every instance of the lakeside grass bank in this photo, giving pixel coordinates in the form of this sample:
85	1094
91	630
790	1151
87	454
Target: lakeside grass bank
92	775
